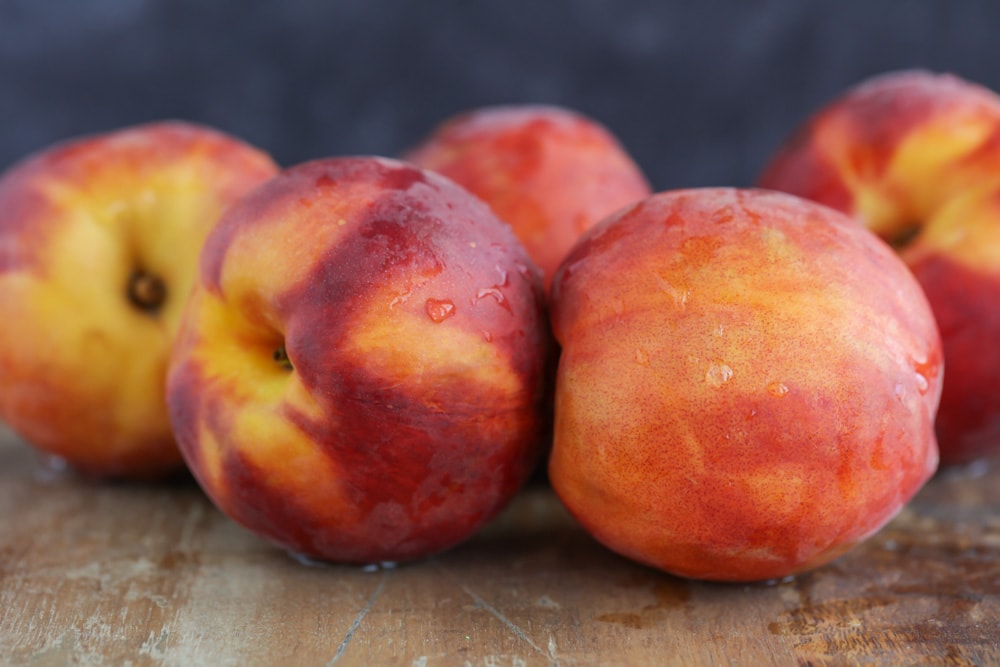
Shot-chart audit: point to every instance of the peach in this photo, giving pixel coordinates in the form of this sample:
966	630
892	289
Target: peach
549	172
359	375
747	385
916	157
99	240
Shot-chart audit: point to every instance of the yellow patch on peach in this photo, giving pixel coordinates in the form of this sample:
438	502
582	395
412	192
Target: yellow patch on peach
965	228
924	174
384	335
237	361
286	253
209	470
103	349
833	139
781	492
927	164
286	458
238	357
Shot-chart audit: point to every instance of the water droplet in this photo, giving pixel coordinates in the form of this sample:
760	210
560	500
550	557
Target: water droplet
504	281
900	391
488	336
719	330
52	468
304	559
718	374
439	309
723	215
491	292
777	389
922	383
641	358
381	565
679	295
400	298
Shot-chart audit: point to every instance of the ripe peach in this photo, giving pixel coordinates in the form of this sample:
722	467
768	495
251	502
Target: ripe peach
916	158
99	239
747	384
359	375
549	172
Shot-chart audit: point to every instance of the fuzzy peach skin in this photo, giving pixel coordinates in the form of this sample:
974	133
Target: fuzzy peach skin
747	384
99	243
916	157
549	172
360	372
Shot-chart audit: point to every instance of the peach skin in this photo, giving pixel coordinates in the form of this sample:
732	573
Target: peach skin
549	172
747	384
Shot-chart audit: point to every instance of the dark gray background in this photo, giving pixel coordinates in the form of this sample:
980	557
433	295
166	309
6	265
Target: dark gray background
699	92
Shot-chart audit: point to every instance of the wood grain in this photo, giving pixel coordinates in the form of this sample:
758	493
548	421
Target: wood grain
115	574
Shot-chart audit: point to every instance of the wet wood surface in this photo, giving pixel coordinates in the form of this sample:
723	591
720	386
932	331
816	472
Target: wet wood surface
94	574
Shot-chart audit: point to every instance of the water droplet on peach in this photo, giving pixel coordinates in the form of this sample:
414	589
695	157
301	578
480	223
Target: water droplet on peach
504	280
641	357
777	389
491	292
439	309
718	374
487	291
922	383
678	295
488	336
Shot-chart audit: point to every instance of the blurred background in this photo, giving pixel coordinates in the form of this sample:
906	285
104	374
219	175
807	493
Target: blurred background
698	92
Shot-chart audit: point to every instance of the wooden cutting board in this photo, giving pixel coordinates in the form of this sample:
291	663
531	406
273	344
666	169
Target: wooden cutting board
95	574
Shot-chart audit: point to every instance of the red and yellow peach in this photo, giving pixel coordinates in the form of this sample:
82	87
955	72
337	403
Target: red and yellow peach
747	385
360	375
99	242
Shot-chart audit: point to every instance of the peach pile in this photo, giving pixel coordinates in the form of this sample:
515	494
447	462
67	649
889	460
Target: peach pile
356	356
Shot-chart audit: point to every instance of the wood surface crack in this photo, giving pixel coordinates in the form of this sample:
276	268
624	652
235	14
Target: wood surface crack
480	603
360	617
518	632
